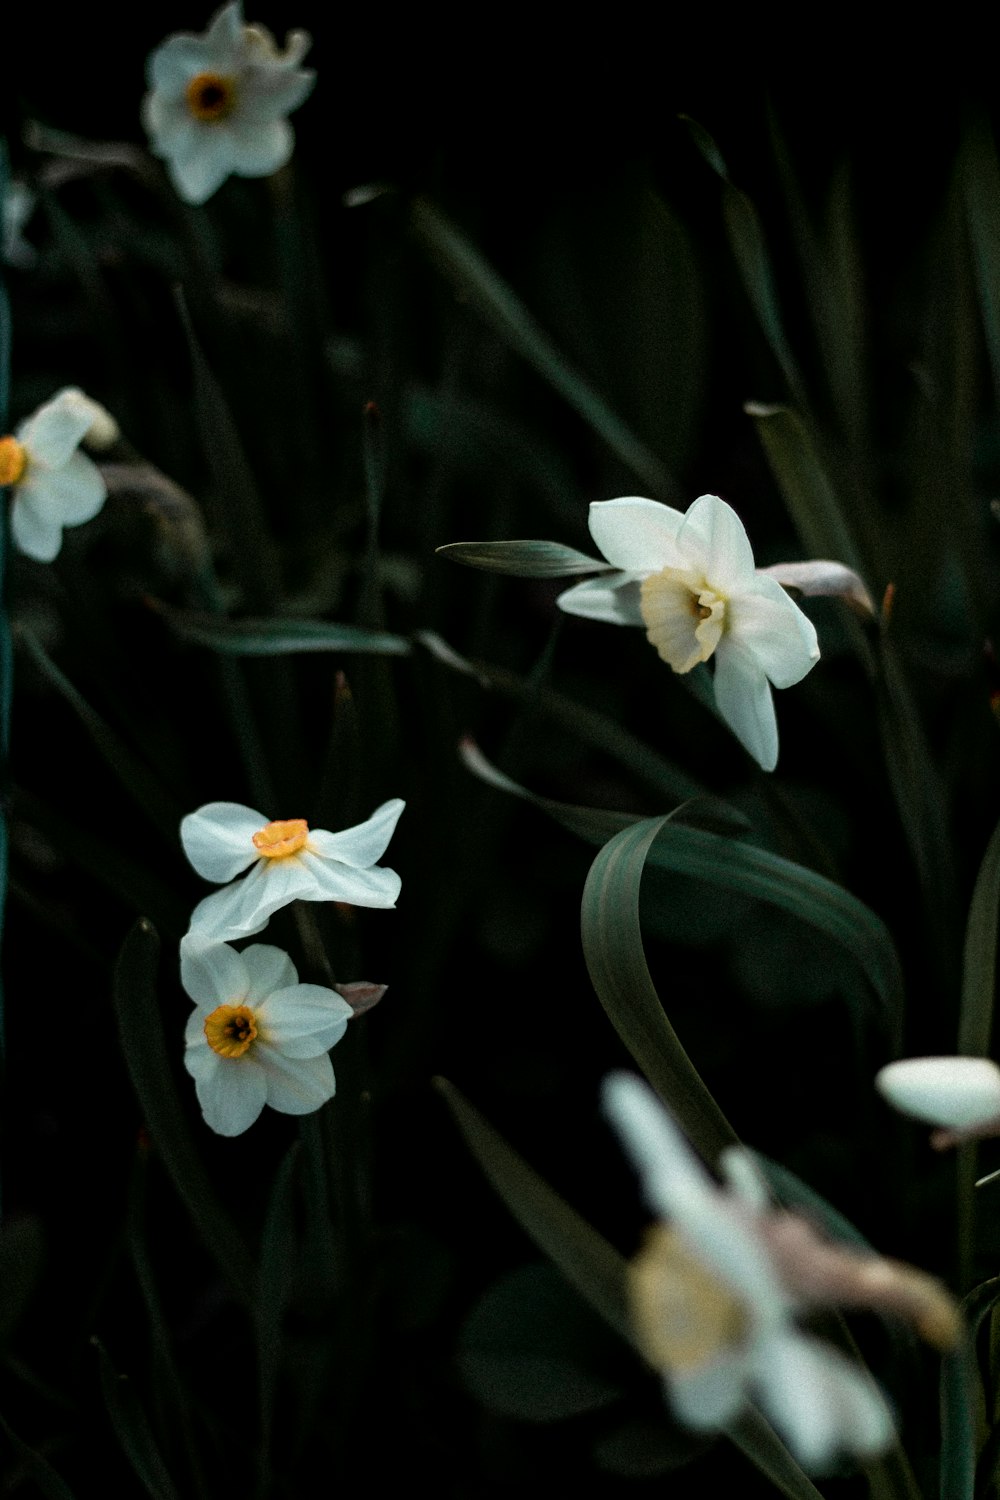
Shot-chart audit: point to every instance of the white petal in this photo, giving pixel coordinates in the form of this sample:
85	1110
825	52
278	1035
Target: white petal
711	1396
614	598
660	1154
331	881
213	973
69	495
743	698
176	61
218	838
820	578
258	147
200	171
271	93
297	1087
714	538
781	637
637	535
232	1096
724	1239
819	1402
172	128
34	531
364	844
304	1020
225	32
215	919
744	1179
268	969
957	1092
56	429
270	885
199	1058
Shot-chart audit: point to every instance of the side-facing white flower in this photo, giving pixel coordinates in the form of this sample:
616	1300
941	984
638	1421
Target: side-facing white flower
710	1306
290	862
689	579
52	484
217	102
256	1035
959	1094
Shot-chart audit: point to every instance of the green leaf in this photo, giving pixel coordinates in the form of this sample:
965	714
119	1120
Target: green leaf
38	1468
980	173
140	1028
960	1396
22	1251
975	1027
476	281
279	637
133	1430
757	1439
612	947
277	1267
523	559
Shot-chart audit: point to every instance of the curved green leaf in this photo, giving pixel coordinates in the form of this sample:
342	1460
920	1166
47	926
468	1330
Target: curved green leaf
133	1431
975	1026
280	637
960	1399
36	1467
523	559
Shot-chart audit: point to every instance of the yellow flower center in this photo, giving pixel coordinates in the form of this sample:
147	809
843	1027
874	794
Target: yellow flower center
210	96
279	840
230	1030
682	1314
13	460
683	615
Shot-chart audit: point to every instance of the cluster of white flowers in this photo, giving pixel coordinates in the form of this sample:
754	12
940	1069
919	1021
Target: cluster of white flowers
257	1036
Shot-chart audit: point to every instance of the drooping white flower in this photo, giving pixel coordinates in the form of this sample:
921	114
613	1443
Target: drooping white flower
959	1094
290	862
217	102
52	484
689	579
257	1036
712	1307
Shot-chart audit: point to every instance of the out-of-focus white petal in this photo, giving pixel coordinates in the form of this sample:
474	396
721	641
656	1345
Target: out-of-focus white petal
176	61
233	1095
257	147
613	598
768	623
213	973
197	173
820	1404
713	539
268	969
743	698
362	845
710	1396
273	93
958	1092
223	36
56	429
218	838
744	1178
669	1169
637	535
304	1020
34	531
71	494
299	1087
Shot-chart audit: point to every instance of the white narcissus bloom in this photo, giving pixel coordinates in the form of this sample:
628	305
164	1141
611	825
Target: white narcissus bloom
217	102
256	1035
689	579
290	862
52	484
710	1307
959	1094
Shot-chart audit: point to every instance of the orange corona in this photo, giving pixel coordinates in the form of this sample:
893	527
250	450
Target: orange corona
210	96
13	460
230	1030
279	840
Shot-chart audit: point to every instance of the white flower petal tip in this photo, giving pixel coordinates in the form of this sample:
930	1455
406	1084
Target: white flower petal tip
52	484
823	579
961	1094
360	995
288	862
218	103
689	579
256	1036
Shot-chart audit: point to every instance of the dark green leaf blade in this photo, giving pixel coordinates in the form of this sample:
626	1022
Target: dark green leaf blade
280	636
523	559
133	1430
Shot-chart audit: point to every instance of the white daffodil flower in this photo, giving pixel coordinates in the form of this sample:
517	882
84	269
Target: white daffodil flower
711	1308
290	862
52	484
217	102
959	1094
690	579
257	1036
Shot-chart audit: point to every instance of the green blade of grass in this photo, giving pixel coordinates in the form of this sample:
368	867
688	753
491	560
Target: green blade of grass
133	1431
523	559
279	637
472	275
959	1399
975	1026
38	1468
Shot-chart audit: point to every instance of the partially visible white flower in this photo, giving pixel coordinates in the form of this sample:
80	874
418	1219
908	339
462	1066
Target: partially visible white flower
16	209
217	102
52	484
257	1036
959	1094
290	862
715	1289
690	579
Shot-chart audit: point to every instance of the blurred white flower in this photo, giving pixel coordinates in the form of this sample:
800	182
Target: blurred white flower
290	861
256	1035
52	485
959	1094
715	1289
217	102
15	210
690	579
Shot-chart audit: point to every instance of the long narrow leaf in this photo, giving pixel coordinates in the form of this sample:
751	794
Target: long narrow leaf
959	1381
133	1431
975	1026
279	637
523	559
40	1470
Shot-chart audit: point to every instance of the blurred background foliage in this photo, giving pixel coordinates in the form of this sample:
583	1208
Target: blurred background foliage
521	317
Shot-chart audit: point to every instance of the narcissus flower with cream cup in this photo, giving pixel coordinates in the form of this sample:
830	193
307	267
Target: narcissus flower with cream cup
289	862
217	103
689	578
961	1095
52	484
717	1286
257	1036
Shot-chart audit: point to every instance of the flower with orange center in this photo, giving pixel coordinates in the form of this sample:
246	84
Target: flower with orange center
217	103
257	1036
52	485
288	861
